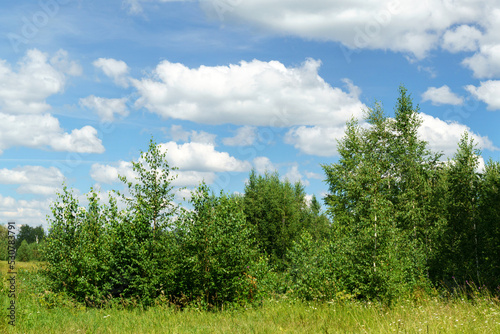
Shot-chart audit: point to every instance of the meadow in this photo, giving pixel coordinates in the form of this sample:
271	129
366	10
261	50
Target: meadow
40	311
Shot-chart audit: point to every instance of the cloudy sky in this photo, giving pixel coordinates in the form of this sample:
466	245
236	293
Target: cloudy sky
226	86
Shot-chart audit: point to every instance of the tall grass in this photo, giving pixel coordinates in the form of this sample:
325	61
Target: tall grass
40	311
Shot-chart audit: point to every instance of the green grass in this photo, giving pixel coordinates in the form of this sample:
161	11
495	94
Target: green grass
38	311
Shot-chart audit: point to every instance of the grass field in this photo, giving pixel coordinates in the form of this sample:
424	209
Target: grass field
40	312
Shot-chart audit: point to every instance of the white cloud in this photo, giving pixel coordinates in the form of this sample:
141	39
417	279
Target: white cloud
441	135
197	162
202	157
251	93
109	174
488	92
444	136
40	131
193	178
263	164
441	95
82	140
106	108
486	63
177	133
115	69
31	175
31	212
316	140
245	136
33	179
24	91
462	38
293	175
413	27
312	175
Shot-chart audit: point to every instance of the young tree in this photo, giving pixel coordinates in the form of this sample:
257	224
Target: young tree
276	210
217	252
461	236
23	253
151	195
489	224
379	200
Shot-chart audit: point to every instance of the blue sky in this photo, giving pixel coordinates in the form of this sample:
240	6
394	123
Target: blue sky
227	85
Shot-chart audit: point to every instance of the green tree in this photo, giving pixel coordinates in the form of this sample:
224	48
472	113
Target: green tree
461	236
77	248
30	234
275	209
139	265
23	253
489	224
379	201
217	251
151	195
3	243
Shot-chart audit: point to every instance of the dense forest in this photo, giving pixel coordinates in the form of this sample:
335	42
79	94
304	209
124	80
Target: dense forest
399	220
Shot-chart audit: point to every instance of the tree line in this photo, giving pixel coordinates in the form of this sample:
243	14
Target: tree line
29	243
398	221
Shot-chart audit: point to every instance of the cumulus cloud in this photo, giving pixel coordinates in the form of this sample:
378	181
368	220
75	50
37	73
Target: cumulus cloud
462	38
115	69
25	89
82	140
24	120
41	131
316	140
444	136
32	212
487	92
197	162
441	95
109	174
33	179
263	164
413	28
177	133
486	63
202	157
245	136
252	93
293	175
106	108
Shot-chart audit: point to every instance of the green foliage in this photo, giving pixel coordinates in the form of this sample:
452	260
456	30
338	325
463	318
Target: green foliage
278	212
30	234
379	203
217	254
4	242
489	225
78	247
23	253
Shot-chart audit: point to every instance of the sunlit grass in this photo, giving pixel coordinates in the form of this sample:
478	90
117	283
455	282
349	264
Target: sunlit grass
39	311
4	266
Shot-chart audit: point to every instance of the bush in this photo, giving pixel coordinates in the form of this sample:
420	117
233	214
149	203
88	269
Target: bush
216	251
23	253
